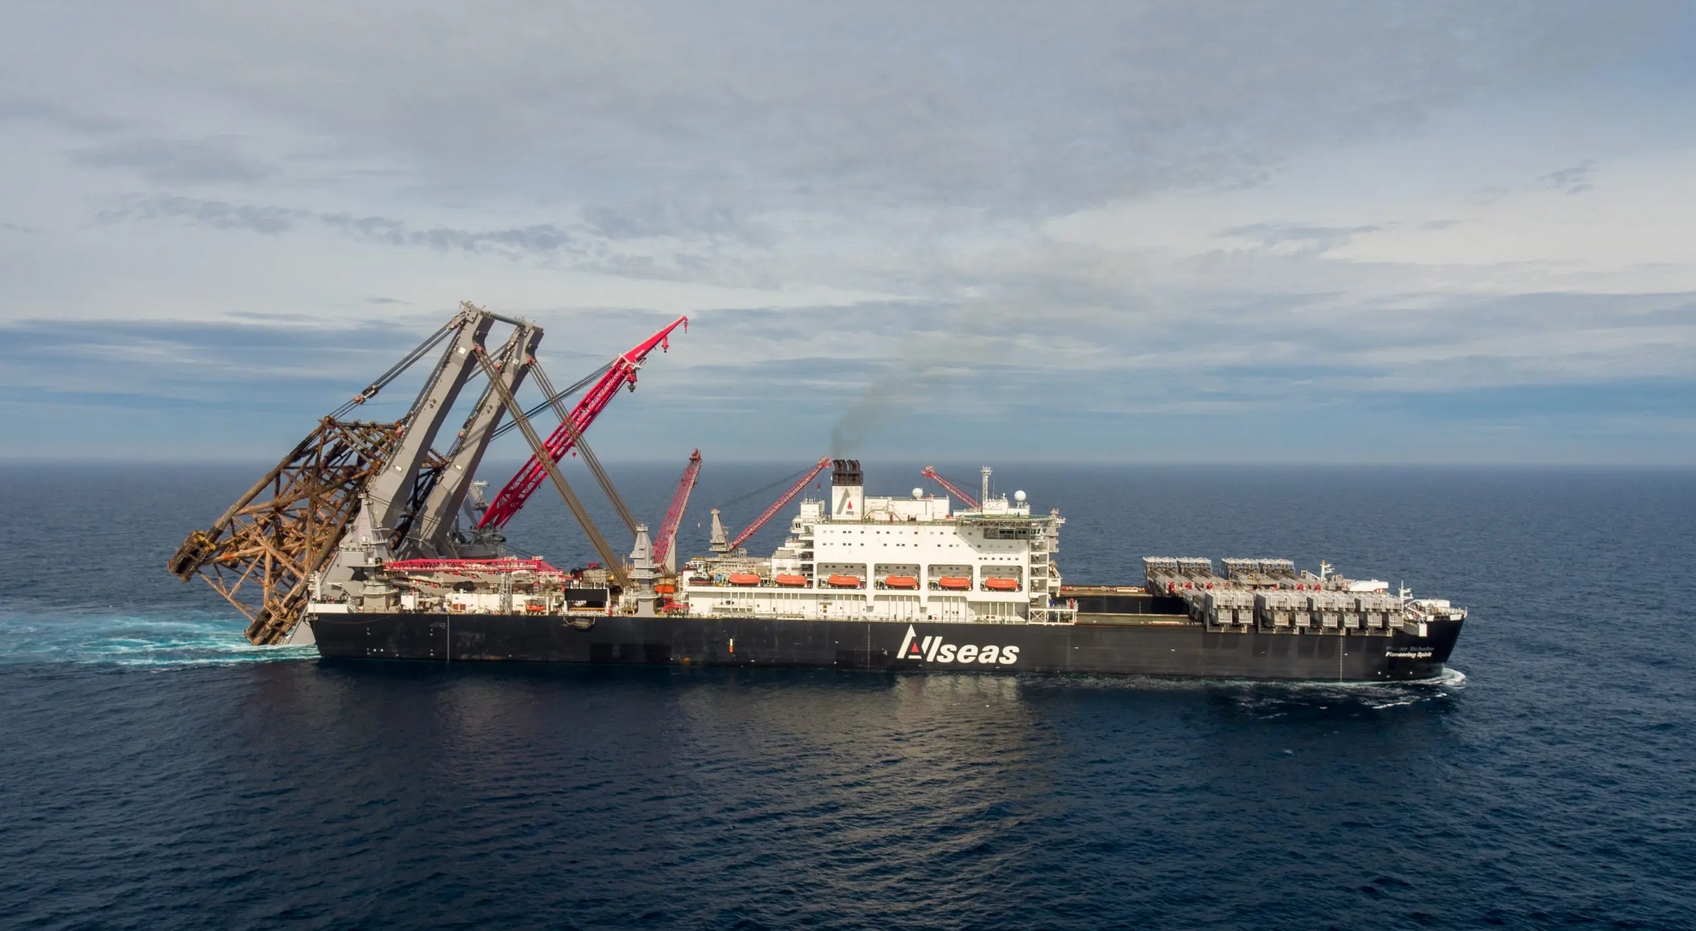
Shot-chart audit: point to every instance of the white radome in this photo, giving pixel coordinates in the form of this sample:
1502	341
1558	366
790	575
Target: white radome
1018	497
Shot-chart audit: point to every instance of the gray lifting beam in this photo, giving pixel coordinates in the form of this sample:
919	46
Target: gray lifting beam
436	517
390	493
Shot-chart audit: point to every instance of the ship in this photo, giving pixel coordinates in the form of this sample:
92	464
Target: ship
371	545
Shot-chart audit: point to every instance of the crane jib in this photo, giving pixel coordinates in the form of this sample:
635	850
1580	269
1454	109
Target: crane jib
667	538
533	473
777	505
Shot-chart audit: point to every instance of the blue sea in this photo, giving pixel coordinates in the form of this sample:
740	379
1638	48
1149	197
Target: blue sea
158	772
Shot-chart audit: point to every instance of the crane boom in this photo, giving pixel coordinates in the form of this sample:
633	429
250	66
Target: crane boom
589	457
953	489
665	545
531	476
348	494
777	505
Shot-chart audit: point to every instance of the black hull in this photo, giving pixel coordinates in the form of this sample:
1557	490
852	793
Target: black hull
1168	649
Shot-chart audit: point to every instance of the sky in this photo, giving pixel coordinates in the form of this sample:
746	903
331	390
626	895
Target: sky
1333	232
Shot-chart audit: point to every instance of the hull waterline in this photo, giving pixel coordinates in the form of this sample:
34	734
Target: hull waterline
1148	647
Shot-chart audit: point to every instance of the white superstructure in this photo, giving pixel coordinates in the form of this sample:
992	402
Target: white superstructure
894	559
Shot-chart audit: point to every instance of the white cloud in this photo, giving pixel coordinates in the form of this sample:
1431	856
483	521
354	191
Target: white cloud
1223	211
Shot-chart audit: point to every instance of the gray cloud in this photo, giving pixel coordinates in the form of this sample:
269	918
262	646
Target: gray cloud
1572	180
1301	240
1020	109
541	239
176	161
261	362
881	173
651	218
216	214
68	116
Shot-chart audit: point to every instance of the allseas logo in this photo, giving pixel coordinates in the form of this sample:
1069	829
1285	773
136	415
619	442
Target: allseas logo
934	650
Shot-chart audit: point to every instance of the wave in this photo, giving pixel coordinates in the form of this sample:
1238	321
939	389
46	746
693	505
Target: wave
184	638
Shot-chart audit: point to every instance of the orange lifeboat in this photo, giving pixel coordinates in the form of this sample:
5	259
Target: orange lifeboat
900	581
791	581
954	583
743	578
666	588
1001	585
844	581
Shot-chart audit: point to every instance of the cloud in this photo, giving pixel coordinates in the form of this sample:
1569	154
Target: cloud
1572	180
679	217
176	161
1001	106
214	213
260	361
1295	239
29	109
881	215
540	239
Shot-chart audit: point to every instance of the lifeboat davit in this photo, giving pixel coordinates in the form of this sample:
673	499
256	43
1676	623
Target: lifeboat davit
844	581
743	578
791	581
954	583
1001	585
900	581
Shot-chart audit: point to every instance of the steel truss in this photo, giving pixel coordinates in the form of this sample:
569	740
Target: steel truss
260	555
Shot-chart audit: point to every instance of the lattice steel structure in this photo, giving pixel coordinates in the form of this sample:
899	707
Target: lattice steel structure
260	555
356	494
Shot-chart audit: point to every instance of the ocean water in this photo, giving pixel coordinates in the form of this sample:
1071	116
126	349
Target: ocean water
157	772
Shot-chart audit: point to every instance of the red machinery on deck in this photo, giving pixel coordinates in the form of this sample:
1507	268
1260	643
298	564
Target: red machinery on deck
496	566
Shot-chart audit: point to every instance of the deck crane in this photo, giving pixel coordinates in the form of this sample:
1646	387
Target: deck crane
622	373
953	489
354	493
777	505
665	544
588	455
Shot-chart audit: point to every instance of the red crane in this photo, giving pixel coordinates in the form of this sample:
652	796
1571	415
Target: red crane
777	505
953	489
533	474
667	539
